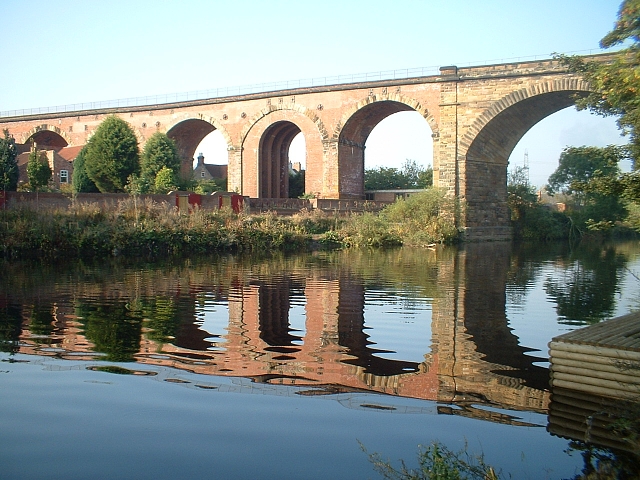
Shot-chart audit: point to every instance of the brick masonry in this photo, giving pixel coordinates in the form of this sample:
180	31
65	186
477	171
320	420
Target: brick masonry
476	116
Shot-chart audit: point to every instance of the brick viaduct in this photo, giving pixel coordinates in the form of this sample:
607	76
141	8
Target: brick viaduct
476	116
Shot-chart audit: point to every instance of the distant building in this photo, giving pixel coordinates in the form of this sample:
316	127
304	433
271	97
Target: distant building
60	163
206	171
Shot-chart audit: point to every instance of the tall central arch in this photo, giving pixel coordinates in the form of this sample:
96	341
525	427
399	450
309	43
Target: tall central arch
273	159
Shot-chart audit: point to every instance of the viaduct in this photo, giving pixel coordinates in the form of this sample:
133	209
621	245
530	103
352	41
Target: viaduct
476	116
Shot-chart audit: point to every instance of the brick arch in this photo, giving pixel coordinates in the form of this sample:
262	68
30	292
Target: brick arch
44	128
187	139
355	126
271	131
411	103
293	107
199	116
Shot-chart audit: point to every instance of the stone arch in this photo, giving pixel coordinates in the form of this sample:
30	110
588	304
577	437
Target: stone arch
398	98
353	129
265	143
484	149
49	135
532	103
188	131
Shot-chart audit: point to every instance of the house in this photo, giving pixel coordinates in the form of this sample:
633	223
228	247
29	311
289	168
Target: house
60	162
206	171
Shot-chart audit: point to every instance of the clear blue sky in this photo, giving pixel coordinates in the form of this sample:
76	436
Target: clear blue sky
77	51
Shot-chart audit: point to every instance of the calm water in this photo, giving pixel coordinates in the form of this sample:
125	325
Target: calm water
283	368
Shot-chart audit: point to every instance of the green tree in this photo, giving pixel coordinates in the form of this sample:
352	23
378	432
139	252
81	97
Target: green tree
38	169
9	172
578	165
411	175
296	184
81	183
159	152
530	219
112	155
580	169
165	181
616	84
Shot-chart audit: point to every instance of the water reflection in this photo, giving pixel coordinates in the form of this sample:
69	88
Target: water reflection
308	320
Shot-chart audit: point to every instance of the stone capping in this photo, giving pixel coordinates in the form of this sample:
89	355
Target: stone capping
462	71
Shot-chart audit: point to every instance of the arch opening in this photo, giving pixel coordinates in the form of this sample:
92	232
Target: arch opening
47	140
484	185
386	131
188	135
545	141
273	159
400	137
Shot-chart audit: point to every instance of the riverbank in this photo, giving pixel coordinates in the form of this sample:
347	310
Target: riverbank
145	228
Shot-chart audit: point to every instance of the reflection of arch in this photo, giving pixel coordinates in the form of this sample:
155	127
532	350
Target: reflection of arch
354	128
488	142
47	136
265	147
188	132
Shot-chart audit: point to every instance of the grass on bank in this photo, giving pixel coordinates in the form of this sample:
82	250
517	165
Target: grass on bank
150	229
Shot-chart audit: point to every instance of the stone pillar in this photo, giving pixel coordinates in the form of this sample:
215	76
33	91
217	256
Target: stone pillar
234	170
445	161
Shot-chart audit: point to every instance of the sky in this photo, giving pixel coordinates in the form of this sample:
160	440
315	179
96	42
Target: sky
59	53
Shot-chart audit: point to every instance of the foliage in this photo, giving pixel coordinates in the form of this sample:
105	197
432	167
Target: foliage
421	219
578	165
9	172
615	84
436	462
410	176
206	187
160	152
81	182
296	184
38	170
530	220
586	173
112	155
165	181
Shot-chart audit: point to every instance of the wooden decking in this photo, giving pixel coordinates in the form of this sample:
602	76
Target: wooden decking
595	383
602	359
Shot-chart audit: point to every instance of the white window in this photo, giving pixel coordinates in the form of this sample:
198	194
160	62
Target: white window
64	176
202	173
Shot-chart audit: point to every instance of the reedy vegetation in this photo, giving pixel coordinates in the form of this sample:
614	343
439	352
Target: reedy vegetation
148	229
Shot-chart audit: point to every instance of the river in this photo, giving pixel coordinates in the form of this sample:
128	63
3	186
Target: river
293	366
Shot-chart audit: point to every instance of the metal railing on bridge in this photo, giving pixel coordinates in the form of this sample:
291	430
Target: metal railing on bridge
397	74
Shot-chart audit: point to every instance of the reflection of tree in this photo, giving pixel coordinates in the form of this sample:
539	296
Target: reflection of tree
586	294
114	329
162	319
42	320
526	265
10	327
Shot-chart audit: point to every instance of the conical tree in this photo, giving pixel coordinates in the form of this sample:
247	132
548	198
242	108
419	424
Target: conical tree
112	155
159	152
81	182
8	165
